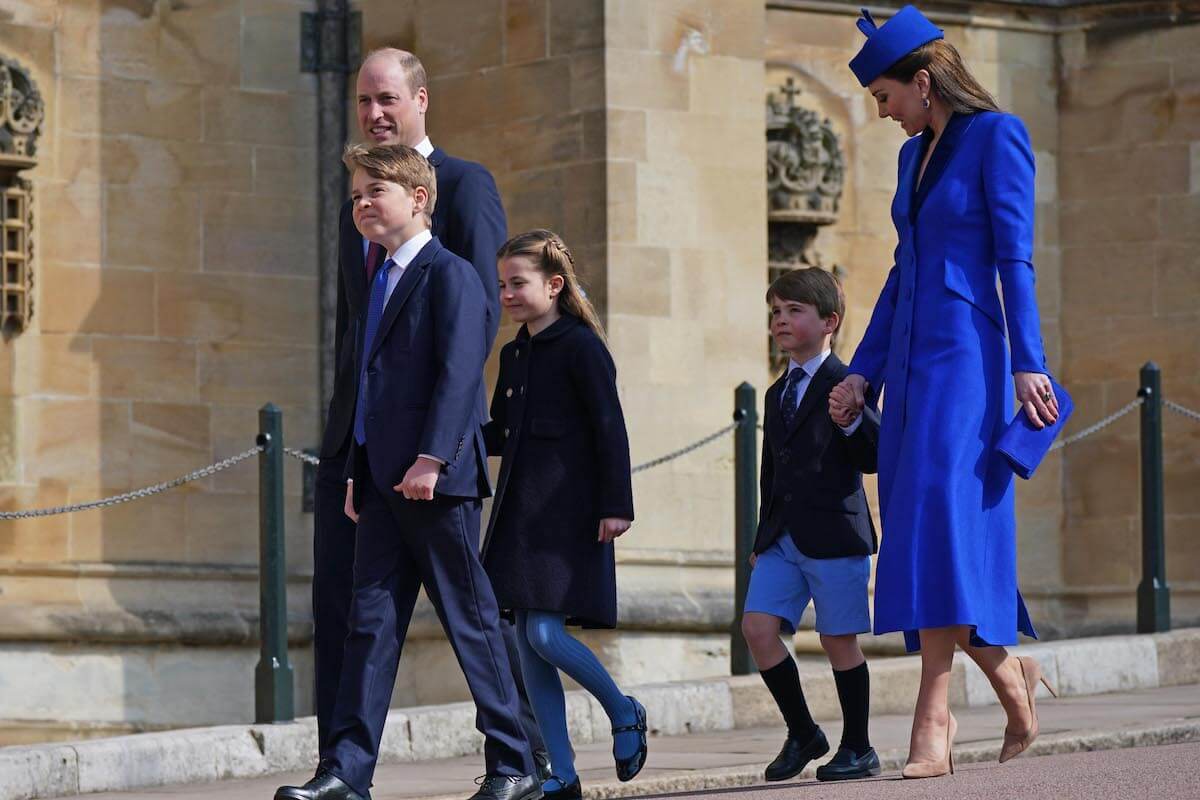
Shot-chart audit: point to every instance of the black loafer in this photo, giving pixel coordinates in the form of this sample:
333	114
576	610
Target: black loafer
541	763
795	755
325	786
846	766
508	787
628	768
570	791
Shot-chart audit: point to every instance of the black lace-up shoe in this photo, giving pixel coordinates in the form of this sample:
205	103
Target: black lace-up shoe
508	787
795	755
325	786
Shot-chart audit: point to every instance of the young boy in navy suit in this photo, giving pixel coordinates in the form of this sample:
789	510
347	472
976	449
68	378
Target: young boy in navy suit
815	534
417	471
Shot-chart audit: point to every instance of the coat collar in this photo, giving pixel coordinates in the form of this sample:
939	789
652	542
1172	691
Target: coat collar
562	325
437	156
956	128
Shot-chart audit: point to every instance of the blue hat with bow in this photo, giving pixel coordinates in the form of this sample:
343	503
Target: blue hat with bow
888	43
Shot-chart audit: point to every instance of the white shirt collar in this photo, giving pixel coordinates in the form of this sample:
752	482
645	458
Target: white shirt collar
408	251
811	366
424	147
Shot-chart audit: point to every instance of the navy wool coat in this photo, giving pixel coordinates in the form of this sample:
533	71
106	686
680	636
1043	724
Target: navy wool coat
557	424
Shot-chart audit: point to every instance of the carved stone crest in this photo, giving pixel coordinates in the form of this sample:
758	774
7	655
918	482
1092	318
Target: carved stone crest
805	167
21	113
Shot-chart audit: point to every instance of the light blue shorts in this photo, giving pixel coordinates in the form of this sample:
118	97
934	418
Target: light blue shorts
784	580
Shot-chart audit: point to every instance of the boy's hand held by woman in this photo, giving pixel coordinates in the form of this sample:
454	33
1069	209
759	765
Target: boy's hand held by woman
611	528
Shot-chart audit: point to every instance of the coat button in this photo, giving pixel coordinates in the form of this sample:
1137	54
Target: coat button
506	431
509	392
787	498
517	352
522	390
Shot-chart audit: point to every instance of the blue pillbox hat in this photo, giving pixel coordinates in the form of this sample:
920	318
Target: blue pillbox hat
888	43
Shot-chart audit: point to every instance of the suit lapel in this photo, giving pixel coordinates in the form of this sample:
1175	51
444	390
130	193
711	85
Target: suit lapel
408	281
816	395
773	417
956	127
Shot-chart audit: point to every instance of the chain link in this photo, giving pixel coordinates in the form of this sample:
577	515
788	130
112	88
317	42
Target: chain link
300	455
136	494
1102	424
712	437
1183	411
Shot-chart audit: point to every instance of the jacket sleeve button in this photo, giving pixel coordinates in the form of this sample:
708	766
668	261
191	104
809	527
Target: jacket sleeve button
508	393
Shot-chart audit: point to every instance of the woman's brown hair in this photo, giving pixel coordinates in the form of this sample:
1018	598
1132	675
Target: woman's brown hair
949	77
551	257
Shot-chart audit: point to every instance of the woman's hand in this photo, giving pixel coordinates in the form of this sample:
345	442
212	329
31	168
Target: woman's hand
611	528
1036	396
848	398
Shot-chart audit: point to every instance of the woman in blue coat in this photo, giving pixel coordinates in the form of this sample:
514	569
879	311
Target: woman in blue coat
964	212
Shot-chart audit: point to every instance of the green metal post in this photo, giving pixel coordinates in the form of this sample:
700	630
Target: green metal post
1153	594
745	494
273	675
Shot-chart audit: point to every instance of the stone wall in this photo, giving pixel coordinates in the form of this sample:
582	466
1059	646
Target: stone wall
1129	187
175	294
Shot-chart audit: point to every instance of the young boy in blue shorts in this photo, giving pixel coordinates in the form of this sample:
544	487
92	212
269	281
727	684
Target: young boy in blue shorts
815	534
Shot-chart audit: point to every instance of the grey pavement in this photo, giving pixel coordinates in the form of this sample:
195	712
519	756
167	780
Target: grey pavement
717	760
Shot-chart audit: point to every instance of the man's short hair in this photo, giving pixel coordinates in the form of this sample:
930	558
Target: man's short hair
396	163
812	286
414	70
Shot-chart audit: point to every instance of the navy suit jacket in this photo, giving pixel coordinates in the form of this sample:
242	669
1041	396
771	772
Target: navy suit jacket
468	218
424	377
812	473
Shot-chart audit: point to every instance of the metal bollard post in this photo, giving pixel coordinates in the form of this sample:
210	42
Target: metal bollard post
273	674
1153	594
745	492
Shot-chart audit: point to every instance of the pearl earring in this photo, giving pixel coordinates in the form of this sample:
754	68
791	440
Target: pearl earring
924	102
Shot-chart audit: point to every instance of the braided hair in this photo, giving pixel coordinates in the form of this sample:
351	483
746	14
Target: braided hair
551	257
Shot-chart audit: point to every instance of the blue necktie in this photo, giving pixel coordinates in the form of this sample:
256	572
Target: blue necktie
374	317
790	390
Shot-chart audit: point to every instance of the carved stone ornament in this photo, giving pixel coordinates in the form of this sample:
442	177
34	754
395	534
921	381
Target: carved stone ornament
21	113
805	167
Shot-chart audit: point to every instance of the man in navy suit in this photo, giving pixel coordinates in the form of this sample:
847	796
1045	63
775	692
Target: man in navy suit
417	471
468	219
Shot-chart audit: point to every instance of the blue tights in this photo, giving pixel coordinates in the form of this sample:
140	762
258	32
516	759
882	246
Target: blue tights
546	647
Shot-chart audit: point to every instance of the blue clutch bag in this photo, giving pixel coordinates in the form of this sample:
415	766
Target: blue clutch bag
1023	445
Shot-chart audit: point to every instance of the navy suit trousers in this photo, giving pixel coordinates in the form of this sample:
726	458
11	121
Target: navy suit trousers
333	587
401	545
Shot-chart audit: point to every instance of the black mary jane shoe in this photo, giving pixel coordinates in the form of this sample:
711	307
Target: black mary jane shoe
795	755
628	768
847	765
569	791
508	787
324	786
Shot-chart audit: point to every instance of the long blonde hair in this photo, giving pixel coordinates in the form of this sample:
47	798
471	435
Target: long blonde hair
949	77
551	257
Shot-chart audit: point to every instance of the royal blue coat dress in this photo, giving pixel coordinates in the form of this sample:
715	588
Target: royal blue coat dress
937	346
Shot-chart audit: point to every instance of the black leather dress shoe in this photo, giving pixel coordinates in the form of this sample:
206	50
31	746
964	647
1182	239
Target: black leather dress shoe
325	786
508	787
541	762
795	755
846	766
628	768
571	791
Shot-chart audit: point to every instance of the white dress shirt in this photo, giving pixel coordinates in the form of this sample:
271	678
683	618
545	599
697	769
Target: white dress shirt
809	368
401	259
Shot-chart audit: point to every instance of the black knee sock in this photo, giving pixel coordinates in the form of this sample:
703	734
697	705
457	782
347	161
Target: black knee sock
854	694
783	681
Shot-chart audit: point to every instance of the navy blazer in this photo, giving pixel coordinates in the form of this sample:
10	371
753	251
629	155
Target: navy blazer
468	218
812	473
424	377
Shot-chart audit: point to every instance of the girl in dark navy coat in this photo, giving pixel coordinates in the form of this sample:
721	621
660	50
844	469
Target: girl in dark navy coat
564	495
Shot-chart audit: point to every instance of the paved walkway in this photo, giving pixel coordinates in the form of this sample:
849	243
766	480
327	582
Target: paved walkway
734	758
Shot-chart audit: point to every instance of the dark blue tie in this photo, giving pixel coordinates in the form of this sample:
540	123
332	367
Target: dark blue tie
374	317
790	390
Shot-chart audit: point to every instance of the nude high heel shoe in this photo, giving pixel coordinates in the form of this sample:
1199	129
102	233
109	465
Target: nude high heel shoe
1017	743
935	769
